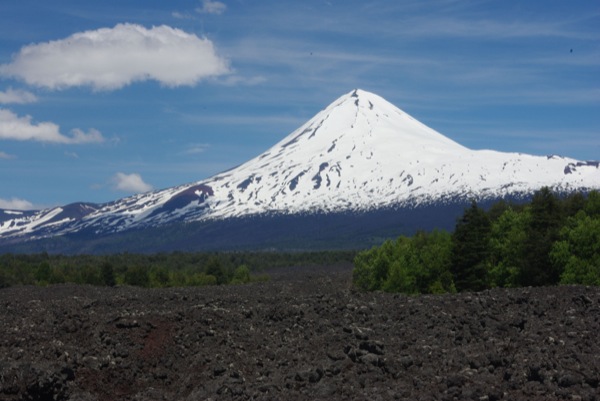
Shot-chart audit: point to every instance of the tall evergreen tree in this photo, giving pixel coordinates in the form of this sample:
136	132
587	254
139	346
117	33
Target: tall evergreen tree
592	204
544	229
470	250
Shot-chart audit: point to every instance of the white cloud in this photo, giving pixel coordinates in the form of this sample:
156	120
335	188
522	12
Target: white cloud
180	15
17	96
240	80
211	7
16	204
130	183
196	148
92	136
110	58
456	26
23	129
6	156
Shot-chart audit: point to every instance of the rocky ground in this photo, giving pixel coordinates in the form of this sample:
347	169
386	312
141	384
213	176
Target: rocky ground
304	335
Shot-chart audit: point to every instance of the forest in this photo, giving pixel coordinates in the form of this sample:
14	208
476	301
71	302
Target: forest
551	240
177	269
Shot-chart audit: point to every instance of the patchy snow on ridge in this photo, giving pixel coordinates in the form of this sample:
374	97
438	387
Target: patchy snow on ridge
360	153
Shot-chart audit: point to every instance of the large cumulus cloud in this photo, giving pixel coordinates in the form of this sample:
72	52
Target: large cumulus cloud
110	58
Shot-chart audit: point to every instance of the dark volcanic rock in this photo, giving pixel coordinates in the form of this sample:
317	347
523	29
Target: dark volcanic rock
305	335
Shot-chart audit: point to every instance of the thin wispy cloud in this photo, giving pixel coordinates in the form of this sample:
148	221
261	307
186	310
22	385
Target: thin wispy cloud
485	28
182	15
503	74
13	127
313	62
211	7
92	136
535	95
17	96
111	58
240	119
556	96
6	156
233	80
436	19
130	183
196	148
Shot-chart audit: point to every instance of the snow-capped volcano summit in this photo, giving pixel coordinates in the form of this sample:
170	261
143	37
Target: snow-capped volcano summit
359	154
362	153
356	154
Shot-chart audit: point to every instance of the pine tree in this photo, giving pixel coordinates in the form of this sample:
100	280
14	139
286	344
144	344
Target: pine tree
544	229
470	250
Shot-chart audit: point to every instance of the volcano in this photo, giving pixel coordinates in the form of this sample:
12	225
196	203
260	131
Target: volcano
361	167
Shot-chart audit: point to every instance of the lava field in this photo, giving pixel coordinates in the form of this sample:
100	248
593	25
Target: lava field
304	335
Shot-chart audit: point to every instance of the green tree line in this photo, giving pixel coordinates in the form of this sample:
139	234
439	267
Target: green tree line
550	240
177	269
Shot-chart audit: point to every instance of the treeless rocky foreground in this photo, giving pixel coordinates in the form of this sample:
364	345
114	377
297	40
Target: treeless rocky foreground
304	335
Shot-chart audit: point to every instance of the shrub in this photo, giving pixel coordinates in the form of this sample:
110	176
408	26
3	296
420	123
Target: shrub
201	279
137	276
241	275
408	265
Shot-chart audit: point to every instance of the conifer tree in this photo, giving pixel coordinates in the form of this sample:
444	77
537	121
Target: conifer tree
544	229
470	250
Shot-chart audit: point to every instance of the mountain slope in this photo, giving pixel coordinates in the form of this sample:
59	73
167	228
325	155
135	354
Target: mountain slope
363	153
360	154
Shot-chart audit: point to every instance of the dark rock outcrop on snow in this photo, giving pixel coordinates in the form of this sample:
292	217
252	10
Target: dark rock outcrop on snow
304	335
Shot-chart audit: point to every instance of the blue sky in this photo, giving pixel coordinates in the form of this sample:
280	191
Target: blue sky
100	100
